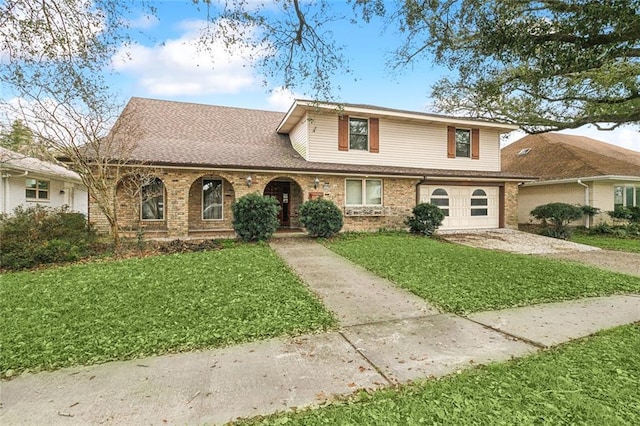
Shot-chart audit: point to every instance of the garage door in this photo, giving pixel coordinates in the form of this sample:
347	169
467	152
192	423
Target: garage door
465	207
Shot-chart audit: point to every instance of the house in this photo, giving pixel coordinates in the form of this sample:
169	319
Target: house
375	163
573	170
28	181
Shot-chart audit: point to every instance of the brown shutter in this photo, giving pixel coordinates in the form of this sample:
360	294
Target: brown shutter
374	135
343	133
451	142
475	144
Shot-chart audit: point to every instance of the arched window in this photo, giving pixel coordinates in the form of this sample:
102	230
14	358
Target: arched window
152	200
479	203
440	198
212	199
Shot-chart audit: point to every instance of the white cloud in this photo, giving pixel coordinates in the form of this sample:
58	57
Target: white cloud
626	137
144	22
183	66
281	99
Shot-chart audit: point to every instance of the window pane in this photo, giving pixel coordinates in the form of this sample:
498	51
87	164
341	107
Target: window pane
479	212
359	134
153	200
617	196
463	143
629	196
374	192
440	191
31	193
43	185
638	196
43	195
478	201
479	193
354	192
212	199
440	202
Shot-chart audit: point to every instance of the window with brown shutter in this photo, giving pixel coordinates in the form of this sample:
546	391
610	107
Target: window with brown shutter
343	133
475	144
374	135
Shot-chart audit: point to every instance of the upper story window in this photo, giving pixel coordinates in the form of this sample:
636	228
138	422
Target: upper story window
463	143
152	200
37	189
212	199
367	192
359	134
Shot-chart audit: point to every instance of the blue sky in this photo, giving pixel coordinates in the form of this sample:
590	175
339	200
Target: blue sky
166	64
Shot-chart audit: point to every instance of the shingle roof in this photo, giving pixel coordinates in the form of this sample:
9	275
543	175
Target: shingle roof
196	135
17	161
559	156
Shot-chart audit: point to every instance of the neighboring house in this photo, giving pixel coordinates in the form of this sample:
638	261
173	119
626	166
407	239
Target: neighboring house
375	163
574	170
28	181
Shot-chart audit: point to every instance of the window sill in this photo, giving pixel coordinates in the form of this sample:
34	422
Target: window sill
37	200
365	211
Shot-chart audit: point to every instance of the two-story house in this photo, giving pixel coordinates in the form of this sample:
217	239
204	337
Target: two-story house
375	163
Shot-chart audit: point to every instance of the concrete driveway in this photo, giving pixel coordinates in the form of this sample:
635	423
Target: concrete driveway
513	241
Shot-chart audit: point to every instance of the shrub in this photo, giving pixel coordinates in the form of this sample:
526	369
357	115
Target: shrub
556	217
321	218
255	217
425	220
37	235
632	214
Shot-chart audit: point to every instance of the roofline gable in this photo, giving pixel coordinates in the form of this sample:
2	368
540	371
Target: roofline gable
302	106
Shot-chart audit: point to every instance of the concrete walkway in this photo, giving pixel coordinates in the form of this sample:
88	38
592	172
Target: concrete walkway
387	336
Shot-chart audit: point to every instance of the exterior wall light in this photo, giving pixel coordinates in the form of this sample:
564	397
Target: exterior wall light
249	181
316	183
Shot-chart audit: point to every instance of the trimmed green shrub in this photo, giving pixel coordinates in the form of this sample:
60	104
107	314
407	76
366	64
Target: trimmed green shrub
556	218
255	217
632	214
38	235
321	218
426	219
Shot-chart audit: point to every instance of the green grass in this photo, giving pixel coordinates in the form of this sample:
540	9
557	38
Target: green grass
608	243
593	381
462	279
97	312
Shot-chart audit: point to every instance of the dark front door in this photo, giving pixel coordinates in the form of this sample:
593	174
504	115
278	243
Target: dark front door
281	191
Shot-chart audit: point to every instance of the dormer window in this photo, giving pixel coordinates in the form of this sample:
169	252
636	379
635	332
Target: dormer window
359	134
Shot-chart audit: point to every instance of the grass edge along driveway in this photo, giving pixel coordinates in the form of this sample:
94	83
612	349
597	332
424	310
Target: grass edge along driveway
462	279
97	312
591	381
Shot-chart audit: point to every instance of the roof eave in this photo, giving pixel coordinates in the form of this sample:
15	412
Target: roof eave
584	179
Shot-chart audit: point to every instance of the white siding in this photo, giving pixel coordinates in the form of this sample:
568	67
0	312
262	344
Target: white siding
299	137
402	144
13	194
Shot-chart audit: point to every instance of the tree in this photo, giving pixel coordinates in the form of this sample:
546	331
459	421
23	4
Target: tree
54	55
544	65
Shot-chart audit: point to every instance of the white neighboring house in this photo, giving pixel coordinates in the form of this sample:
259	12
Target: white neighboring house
27	181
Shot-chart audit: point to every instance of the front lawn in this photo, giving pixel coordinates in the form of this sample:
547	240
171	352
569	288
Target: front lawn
608	243
593	381
97	312
462	279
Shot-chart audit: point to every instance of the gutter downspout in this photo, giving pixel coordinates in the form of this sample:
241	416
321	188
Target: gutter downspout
586	200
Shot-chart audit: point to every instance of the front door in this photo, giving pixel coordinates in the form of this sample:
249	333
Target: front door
281	191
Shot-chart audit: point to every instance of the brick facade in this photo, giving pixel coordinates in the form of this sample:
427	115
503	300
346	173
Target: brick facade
183	202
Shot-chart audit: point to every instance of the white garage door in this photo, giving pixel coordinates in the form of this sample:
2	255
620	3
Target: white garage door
465	207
